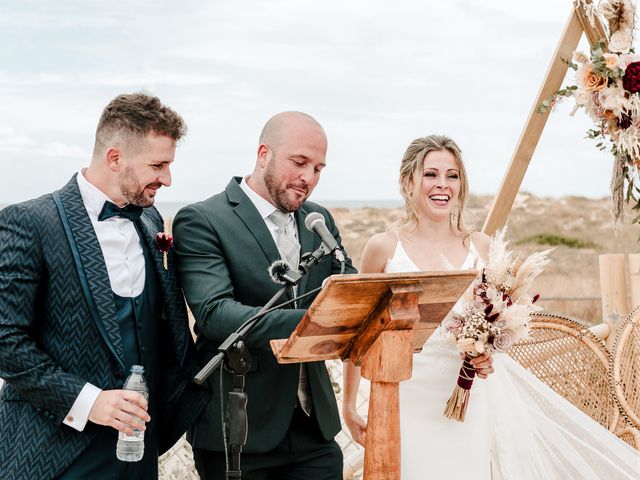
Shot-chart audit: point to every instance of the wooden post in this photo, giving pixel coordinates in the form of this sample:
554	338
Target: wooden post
595	33
614	292
634	275
386	363
532	131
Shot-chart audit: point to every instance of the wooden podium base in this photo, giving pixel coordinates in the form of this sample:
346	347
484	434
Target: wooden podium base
387	363
376	321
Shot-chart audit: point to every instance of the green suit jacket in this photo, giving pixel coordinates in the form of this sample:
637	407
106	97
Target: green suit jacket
223	252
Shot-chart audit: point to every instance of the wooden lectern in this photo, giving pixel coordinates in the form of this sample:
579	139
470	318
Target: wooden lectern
376	321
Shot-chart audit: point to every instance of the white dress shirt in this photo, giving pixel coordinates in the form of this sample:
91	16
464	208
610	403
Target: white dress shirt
124	259
265	209
119	243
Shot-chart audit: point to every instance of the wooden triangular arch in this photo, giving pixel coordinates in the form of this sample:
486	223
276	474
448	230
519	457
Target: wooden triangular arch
578	23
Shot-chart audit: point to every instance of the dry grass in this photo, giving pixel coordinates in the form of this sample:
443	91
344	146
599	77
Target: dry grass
573	271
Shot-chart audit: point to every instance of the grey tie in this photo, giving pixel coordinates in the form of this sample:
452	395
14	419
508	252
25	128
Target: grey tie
286	240
289	249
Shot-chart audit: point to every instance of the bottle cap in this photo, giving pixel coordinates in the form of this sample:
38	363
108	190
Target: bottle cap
137	369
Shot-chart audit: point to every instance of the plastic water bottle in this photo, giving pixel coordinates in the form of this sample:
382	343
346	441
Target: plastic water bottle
130	448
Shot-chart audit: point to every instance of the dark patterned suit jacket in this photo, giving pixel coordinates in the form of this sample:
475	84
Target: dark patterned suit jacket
58	330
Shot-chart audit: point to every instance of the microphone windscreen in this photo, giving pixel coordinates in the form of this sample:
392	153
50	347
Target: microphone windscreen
311	219
277	271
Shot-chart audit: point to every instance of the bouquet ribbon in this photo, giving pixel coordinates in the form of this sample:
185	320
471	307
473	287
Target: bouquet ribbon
456	408
467	374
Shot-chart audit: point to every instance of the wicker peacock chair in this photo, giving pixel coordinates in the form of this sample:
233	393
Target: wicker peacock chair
624	374
566	356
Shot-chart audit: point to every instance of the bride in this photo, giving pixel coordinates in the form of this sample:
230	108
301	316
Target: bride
516	428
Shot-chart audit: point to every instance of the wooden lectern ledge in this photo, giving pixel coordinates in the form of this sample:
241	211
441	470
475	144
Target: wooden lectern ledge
351	312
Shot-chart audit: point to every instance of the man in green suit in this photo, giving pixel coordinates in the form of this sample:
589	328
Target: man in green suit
224	246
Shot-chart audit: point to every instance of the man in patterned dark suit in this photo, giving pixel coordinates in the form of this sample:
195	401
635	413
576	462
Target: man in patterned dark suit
84	294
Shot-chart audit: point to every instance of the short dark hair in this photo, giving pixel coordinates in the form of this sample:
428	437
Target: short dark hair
136	115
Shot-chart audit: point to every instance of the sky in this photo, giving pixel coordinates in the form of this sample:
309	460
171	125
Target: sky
375	74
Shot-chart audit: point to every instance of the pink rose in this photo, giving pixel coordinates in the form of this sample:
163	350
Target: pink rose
454	325
503	341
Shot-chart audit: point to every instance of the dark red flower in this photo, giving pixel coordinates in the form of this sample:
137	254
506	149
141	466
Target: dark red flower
164	241
625	121
631	79
507	298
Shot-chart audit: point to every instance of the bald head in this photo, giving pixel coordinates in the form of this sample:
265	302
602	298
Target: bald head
277	127
291	155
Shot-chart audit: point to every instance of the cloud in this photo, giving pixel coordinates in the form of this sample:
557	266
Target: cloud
11	141
376	74
23	146
150	77
58	149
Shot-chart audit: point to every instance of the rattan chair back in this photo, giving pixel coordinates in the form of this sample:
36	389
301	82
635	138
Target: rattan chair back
573	362
624	374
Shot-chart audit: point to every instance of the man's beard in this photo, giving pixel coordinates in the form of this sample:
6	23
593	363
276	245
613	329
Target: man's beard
279	194
131	189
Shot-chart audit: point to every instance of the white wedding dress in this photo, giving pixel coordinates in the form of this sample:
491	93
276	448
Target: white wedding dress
516	427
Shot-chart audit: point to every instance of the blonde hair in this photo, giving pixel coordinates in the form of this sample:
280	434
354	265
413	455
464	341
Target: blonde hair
411	169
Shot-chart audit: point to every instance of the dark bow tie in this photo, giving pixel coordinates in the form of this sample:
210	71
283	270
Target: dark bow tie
130	212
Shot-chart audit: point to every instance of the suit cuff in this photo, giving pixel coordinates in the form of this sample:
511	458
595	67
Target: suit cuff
79	413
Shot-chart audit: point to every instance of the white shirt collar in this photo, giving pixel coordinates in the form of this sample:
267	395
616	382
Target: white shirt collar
92	196
263	206
119	241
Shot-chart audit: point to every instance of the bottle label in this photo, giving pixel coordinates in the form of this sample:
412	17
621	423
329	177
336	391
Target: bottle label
138	436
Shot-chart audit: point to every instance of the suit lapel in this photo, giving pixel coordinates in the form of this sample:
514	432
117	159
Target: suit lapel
91	261
249	215
147	231
173	302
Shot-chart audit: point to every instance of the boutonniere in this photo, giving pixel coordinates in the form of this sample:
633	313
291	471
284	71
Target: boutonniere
164	241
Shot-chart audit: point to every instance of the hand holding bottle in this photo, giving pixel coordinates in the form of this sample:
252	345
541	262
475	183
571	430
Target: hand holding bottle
124	410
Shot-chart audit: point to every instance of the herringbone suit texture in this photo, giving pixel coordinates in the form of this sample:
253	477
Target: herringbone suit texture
51	344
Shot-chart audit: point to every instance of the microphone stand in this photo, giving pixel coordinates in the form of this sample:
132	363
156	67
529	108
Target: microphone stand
237	359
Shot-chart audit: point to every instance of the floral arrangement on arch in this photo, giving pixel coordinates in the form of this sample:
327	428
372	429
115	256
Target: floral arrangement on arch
493	315
608	89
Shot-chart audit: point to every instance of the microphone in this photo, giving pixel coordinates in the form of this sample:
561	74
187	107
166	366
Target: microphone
277	271
281	273
315	223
